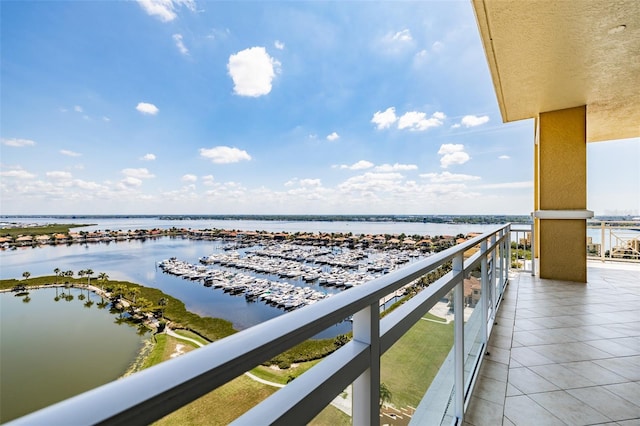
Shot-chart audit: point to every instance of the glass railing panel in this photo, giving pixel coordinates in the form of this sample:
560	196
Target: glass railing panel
415	363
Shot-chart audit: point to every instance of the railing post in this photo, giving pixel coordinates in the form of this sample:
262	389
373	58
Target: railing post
494	259
533	247
485	295
507	242
458	311
602	241
366	388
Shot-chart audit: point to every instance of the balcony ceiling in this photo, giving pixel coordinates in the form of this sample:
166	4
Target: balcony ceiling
547	55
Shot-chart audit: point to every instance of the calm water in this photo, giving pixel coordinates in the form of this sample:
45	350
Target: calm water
137	260
52	350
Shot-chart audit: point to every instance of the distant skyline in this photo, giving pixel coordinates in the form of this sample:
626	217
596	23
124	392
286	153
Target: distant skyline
199	107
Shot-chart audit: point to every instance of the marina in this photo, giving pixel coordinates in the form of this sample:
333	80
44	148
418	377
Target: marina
303	273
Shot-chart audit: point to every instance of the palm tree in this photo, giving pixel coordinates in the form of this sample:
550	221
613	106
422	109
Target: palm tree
26	275
385	394
163	302
102	277
57	273
88	273
133	292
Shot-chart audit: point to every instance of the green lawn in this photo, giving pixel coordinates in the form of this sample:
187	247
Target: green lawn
40	230
408	368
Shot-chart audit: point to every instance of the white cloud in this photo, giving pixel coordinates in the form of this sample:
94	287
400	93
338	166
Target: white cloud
404	35
372	182
224	154
452	154
456	126
18	142
59	175
474	120
18	174
504	157
70	153
78	108
189	178
437	46
165	10
384	120
448	177
140	173
278	45
130	182
360	165
148	157
304	182
106	119
415	120
395	167
147	108
208	180
252	71
180	44
508	185
333	136
411	120
396	42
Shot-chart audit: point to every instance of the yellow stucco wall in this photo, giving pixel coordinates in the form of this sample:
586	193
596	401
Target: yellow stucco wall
561	184
563	159
563	250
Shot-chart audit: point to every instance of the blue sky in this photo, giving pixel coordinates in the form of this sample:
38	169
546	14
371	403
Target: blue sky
188	107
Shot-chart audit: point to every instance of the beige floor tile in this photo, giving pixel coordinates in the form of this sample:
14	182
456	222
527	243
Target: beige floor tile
607	403
494	370
594	372
490	390
570	352
569	409
483	413
627	367
561	376
528	381
528	357
524	411
613	347
629	391
498	355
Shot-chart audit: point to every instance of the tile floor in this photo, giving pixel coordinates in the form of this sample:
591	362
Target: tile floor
564	353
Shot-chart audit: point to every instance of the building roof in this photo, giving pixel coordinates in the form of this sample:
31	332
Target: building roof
551	55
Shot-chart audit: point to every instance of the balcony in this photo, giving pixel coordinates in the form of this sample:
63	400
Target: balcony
524	349
564	353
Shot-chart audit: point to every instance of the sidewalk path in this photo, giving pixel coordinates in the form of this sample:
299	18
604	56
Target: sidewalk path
341	403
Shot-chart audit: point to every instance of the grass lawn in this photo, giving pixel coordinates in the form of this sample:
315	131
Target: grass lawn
282	375
408	368
221	406
40	230
191	335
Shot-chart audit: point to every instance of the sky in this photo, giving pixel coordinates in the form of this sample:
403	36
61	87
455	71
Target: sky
291	107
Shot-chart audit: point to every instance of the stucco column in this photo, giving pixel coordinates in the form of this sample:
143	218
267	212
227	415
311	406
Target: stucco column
561	193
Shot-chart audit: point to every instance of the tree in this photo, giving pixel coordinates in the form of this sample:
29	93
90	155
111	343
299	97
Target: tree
385	394
163	302
88	273
57	273
26	275
102	277
133	292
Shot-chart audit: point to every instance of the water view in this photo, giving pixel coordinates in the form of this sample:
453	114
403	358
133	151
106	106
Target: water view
52	350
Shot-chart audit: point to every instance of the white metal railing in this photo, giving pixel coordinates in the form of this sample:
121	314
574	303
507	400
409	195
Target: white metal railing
522	248
613	240
155	392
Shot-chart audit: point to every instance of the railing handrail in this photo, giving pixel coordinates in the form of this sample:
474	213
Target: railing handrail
152	393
